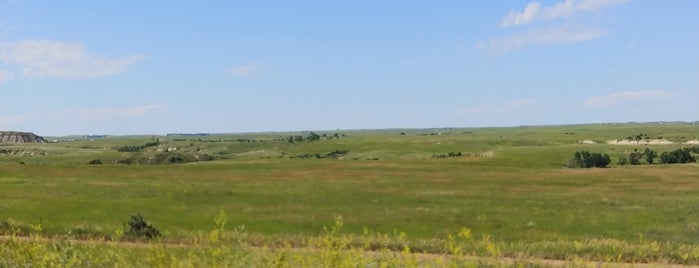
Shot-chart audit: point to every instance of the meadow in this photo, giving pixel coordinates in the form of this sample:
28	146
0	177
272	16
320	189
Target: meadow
374	197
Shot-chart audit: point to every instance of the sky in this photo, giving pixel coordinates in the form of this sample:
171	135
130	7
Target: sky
156	67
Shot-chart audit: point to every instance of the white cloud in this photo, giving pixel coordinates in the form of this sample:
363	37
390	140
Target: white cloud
516	18
44	58
627	97
533	11
551	36
109	112
245	70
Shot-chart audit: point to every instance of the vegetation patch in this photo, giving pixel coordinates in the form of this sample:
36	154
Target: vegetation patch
140	228
138	148
585	159
337	154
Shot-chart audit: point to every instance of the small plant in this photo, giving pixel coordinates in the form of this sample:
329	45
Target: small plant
139	227
95	162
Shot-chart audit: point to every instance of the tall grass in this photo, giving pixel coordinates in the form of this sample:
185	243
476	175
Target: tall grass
220	247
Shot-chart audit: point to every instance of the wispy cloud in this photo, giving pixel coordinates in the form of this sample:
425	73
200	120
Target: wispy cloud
555	33
44	58
533	11
526	16
245	69
544	37
110	112
627	97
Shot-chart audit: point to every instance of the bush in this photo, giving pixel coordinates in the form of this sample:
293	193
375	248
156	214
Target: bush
95	162
450	154
622	160
585	159
131	148
635	158
137	148
650	155
139	227
332	155
127	161
679	156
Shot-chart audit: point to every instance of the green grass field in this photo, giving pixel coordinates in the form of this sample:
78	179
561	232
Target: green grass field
511	186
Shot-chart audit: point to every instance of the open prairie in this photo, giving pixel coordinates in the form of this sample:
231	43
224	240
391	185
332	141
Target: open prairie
505	186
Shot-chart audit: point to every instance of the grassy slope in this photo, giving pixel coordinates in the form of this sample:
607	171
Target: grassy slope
521	193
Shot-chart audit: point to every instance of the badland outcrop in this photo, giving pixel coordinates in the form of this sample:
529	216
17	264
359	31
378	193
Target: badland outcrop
14	137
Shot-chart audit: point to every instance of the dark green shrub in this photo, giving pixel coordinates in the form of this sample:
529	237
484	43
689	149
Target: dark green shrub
680	156
139	227
650	155
95	162
127	161
635	158
622	160
585	159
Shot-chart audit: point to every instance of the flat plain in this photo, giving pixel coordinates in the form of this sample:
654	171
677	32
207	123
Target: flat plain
508	188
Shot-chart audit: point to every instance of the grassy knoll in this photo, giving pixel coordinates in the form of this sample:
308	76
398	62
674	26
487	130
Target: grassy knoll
510	185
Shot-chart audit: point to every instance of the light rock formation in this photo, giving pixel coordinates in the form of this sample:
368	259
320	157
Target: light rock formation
14	137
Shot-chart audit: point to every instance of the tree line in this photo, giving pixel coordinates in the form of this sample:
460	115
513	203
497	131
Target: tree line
585	159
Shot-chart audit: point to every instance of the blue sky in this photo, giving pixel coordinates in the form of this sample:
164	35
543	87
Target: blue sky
154	67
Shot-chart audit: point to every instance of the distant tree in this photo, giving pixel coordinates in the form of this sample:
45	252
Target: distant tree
313	137
622	160
635	157
649	155
585	159
680	156
667	158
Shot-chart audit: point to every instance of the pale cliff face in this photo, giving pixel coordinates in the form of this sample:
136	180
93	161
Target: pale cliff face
20	137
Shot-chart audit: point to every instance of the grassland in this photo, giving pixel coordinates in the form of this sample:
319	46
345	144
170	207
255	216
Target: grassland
511	190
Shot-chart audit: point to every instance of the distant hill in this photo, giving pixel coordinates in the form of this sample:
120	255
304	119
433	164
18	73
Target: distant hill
14	137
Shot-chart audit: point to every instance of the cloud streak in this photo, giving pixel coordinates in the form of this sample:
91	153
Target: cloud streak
44	58
561	32
533	11
554	36
627	97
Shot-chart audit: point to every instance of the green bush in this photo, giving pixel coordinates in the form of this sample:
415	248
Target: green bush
139	227
679	156
585	159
